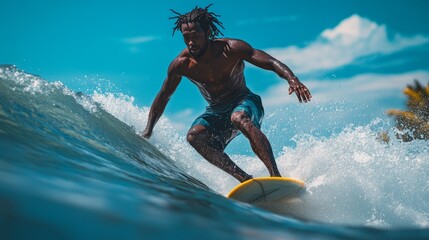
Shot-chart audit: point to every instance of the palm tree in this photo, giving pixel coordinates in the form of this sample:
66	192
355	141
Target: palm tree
414	123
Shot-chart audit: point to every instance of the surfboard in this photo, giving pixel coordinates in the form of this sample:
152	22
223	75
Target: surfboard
267	189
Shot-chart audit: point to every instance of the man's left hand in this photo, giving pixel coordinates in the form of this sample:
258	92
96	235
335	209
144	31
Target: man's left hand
300	90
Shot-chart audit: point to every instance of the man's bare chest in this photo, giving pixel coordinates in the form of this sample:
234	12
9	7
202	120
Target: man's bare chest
215	71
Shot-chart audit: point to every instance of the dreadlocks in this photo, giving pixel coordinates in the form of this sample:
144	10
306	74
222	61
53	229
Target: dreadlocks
207	20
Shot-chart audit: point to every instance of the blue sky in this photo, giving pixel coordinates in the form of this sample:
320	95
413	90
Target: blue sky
347	52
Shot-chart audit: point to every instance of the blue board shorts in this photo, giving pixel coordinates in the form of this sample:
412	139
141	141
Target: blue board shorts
217	119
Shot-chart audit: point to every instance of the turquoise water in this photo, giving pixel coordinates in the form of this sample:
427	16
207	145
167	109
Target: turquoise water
73	167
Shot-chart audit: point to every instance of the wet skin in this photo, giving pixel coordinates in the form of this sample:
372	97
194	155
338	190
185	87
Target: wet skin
216	68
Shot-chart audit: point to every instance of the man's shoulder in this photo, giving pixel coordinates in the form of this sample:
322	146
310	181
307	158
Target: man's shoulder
180	61
235	45
230	41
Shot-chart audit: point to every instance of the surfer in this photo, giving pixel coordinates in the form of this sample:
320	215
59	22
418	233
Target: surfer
215	66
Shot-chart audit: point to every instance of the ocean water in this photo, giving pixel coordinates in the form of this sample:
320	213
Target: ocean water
73	167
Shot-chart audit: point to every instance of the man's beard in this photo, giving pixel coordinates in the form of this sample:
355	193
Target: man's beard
201	53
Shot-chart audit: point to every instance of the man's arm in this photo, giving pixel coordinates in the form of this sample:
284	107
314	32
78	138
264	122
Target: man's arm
160	102
263	60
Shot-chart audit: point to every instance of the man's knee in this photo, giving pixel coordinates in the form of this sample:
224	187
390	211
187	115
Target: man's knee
240	119
196	135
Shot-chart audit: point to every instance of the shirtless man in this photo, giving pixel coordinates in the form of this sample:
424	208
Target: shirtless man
215	66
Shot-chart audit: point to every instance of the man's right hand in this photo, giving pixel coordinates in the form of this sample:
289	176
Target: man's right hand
146	133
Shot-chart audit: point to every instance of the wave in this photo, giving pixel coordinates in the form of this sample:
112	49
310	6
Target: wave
352	176
73	149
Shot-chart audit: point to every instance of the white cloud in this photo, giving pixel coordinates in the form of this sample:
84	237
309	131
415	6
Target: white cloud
182	120
139	39
359	88
352	38
134	43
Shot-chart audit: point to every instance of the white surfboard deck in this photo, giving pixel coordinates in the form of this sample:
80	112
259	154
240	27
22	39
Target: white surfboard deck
267	189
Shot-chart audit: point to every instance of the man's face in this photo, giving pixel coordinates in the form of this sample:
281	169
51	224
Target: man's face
195	38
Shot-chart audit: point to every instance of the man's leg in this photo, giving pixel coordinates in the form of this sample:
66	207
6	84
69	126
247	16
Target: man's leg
259	142
205	144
